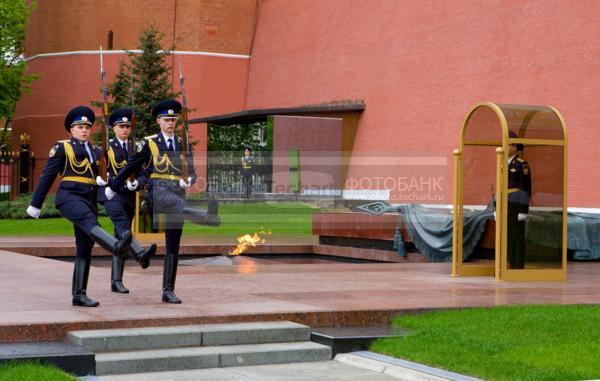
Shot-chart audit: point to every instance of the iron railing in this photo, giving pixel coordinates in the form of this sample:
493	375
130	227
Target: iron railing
224	176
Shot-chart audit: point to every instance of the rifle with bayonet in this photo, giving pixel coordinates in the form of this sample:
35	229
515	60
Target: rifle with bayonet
103	162
185	150
131	144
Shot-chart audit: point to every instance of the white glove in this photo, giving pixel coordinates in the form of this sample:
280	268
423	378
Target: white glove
522	216
183	184
101	182
33	211
109	193
494	215
132	185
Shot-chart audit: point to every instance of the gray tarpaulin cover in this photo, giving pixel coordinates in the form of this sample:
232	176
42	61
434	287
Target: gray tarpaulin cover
431	231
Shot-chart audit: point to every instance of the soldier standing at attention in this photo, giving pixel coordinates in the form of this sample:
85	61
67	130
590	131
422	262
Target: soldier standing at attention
247	171
121	208
75	160
161	155
519	195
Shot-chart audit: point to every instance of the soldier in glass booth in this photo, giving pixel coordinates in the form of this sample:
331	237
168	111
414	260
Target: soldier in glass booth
247	171
519	195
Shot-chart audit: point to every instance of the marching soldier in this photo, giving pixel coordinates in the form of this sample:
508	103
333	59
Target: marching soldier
519	195
160	154
247	171
121	208
75	160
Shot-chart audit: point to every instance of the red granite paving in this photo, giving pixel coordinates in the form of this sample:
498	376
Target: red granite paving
35	293
64	246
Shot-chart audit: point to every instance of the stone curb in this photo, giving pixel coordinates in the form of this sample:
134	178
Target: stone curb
401	369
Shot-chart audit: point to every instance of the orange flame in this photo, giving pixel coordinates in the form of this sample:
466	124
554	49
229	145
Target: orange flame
247	241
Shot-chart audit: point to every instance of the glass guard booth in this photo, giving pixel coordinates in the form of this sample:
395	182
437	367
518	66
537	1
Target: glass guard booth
530	227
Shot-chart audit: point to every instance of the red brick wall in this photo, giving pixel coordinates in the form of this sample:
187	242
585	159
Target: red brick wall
223	26
319	141
214	85
421	65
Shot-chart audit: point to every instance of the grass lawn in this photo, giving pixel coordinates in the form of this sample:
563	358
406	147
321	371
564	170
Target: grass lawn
283	218
32	372
504	343
278	217
44	226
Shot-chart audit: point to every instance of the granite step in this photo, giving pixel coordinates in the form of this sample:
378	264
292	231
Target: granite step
171	359
119	340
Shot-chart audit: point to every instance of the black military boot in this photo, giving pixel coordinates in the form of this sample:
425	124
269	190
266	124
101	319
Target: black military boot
116	275
120	248
141	255
80	280
210	218
213	213
169	275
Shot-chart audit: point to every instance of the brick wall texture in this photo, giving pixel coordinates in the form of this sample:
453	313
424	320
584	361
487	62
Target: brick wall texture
419	66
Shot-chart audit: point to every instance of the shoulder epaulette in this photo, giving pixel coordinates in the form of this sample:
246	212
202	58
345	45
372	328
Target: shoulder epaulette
520	160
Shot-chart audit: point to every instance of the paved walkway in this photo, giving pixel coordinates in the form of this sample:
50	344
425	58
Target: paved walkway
36	301
321	371
357	366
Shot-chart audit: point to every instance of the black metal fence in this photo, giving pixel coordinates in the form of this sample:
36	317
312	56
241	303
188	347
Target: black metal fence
16	173
223	172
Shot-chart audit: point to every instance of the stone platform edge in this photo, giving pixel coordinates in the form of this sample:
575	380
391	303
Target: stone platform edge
401	369
59	330
215	249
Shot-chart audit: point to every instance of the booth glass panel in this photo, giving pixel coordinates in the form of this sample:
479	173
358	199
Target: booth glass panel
482	127
533	122
479	169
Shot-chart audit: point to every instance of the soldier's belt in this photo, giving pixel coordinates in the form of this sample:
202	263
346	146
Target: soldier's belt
513	190
165	177
79	179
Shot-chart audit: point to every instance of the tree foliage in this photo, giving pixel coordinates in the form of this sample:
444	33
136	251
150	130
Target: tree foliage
236	137
150	76
13	81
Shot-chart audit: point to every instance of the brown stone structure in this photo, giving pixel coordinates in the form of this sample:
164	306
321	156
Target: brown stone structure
63	37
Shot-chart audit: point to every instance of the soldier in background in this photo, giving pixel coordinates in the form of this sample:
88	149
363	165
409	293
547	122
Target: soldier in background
519	195
121	208
247	171
161	155
75	160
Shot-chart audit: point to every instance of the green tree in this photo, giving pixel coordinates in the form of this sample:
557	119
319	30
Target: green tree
151	80
235	137
154	80
13	81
